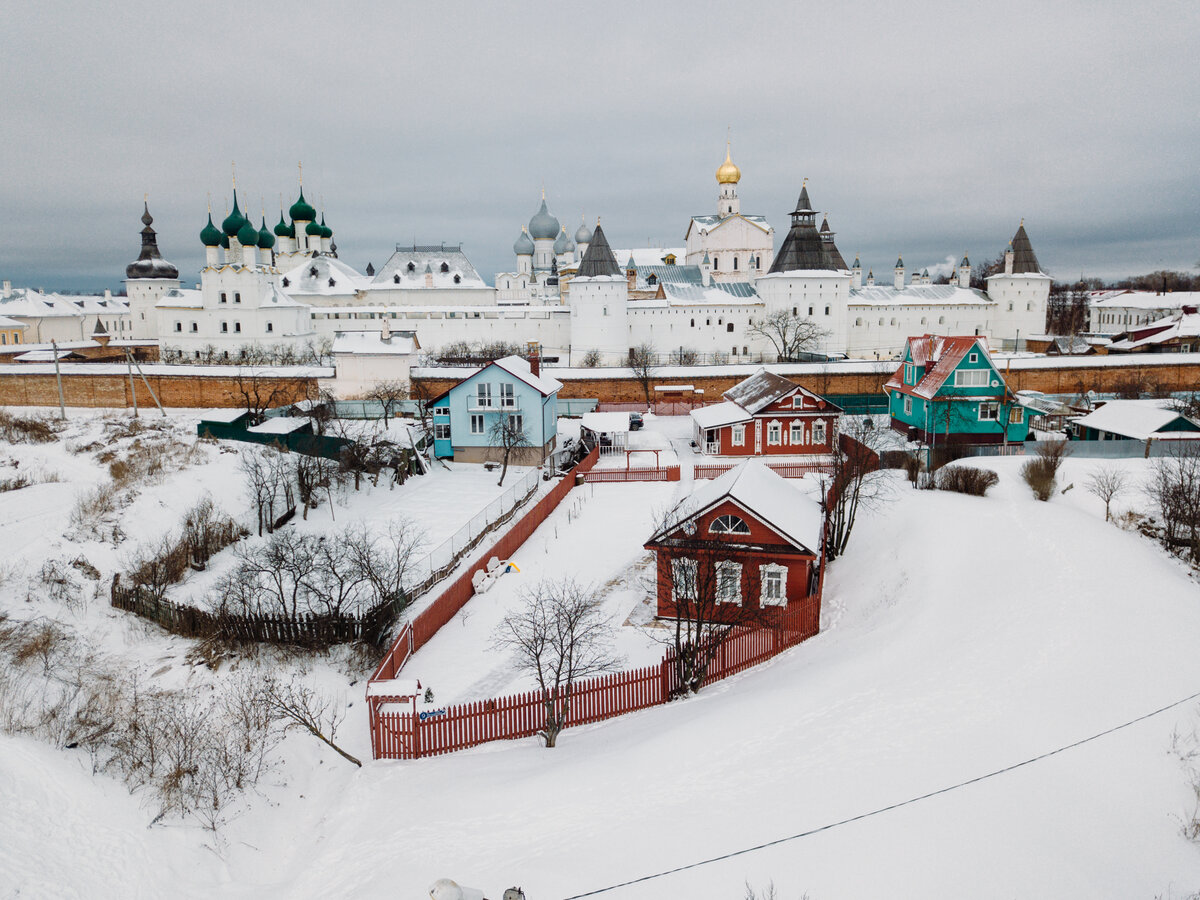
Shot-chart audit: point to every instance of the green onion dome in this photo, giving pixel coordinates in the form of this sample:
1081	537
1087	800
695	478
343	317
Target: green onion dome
235	220
248	235
225	241
314	229
301	211
209	236
266	240
326	231
283	229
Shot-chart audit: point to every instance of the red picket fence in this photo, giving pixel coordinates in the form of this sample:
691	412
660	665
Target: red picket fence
787	470
667	473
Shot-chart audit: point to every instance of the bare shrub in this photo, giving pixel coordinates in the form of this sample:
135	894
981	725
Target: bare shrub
92	515
1175	487
591	359
1041	472
966	480
27	429
59	584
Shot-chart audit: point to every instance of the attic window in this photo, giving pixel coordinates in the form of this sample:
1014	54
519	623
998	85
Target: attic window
285	281
652	279
457	279
445	268
395	279
412	267
728	525
312	272
332	283
974	357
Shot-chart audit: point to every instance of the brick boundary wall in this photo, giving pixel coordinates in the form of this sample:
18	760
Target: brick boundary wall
1068	379
111	390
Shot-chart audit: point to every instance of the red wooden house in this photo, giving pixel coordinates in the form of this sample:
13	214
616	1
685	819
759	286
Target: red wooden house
767	415
743	548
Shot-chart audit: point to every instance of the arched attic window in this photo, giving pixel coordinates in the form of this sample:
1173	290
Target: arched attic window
651	278
728	525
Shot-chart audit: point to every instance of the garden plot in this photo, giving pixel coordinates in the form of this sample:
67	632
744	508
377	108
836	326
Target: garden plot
596	537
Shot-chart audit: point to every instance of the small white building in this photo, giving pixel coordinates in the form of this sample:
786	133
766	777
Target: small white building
363	358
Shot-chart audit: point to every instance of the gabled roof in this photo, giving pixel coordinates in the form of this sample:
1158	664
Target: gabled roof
782	506
432	256
519	369
710	223
760	390
719	414
1137	419
945	352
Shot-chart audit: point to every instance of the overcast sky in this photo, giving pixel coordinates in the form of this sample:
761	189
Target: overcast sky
926	129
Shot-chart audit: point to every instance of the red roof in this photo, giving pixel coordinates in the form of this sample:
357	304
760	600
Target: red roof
945	352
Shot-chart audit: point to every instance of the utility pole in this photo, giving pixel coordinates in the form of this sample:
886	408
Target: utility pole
62	406
132	389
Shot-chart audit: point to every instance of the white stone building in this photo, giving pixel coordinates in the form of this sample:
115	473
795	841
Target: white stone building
1114	312
734	246
47	317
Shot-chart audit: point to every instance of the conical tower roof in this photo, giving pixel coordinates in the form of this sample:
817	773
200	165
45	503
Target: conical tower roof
599	259
1025	261
804	249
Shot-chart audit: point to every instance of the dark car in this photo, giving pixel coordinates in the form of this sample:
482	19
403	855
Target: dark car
635	421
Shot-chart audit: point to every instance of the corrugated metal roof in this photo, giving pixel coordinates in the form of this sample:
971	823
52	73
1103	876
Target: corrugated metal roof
759	391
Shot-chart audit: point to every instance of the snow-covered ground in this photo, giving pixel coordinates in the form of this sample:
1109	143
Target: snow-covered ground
961	635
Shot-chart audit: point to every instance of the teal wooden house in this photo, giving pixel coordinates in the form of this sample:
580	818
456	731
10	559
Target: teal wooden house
465	416
948	391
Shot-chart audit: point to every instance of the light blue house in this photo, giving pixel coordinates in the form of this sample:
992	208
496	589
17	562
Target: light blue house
465	417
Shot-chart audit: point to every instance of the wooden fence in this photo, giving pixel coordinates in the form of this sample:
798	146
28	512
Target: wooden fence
412	735
787	470
666	473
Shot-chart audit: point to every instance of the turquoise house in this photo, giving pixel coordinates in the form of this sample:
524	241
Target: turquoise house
464	417
948	391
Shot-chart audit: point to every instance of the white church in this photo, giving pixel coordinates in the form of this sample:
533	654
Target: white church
570	293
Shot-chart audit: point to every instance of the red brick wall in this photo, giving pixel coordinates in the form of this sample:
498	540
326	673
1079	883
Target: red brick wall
105	390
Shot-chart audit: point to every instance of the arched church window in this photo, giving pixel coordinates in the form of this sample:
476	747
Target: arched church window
715	265
735	264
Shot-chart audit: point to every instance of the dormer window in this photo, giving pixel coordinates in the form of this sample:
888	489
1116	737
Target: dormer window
457	279
396	279
286	283
312	272
412	267
728	525
332	283
445	268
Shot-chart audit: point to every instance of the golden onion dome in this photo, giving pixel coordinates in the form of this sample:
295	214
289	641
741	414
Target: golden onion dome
728	173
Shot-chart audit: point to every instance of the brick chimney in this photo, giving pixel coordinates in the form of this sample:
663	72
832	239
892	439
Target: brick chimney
533	354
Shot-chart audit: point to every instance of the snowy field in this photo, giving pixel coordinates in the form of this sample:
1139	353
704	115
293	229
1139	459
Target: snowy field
961	635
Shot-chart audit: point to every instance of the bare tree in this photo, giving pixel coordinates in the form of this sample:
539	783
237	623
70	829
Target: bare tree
854	482
302	706
790	334
591	359
1108	483
507	436
1175	487
260	394
643	362
388	394
313	474
269	480
558	634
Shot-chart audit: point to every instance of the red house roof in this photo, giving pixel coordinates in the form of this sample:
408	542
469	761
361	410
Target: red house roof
938	355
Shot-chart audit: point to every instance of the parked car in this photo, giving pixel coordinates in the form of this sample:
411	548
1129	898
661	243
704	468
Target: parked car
635	421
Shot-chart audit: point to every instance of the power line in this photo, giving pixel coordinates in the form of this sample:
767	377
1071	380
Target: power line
883	809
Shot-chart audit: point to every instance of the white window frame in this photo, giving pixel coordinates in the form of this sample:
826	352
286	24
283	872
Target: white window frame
729	581
483	395
739	435
441	431
991	406
768	574
516	422
907	405
508	395
477	426
728	524
774	433
797	436
683	579
797	401
972	377
818	431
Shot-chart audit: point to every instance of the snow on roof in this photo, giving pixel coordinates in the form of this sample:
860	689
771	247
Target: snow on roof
606	422
719	414
1137	419
648	256
31	303
519	368
433	256
945	352
1145	300
301	279
759	391
769	497
708	223
719	293
45	356
181	298
222	415
280	425
1179	325
371	343
917	294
